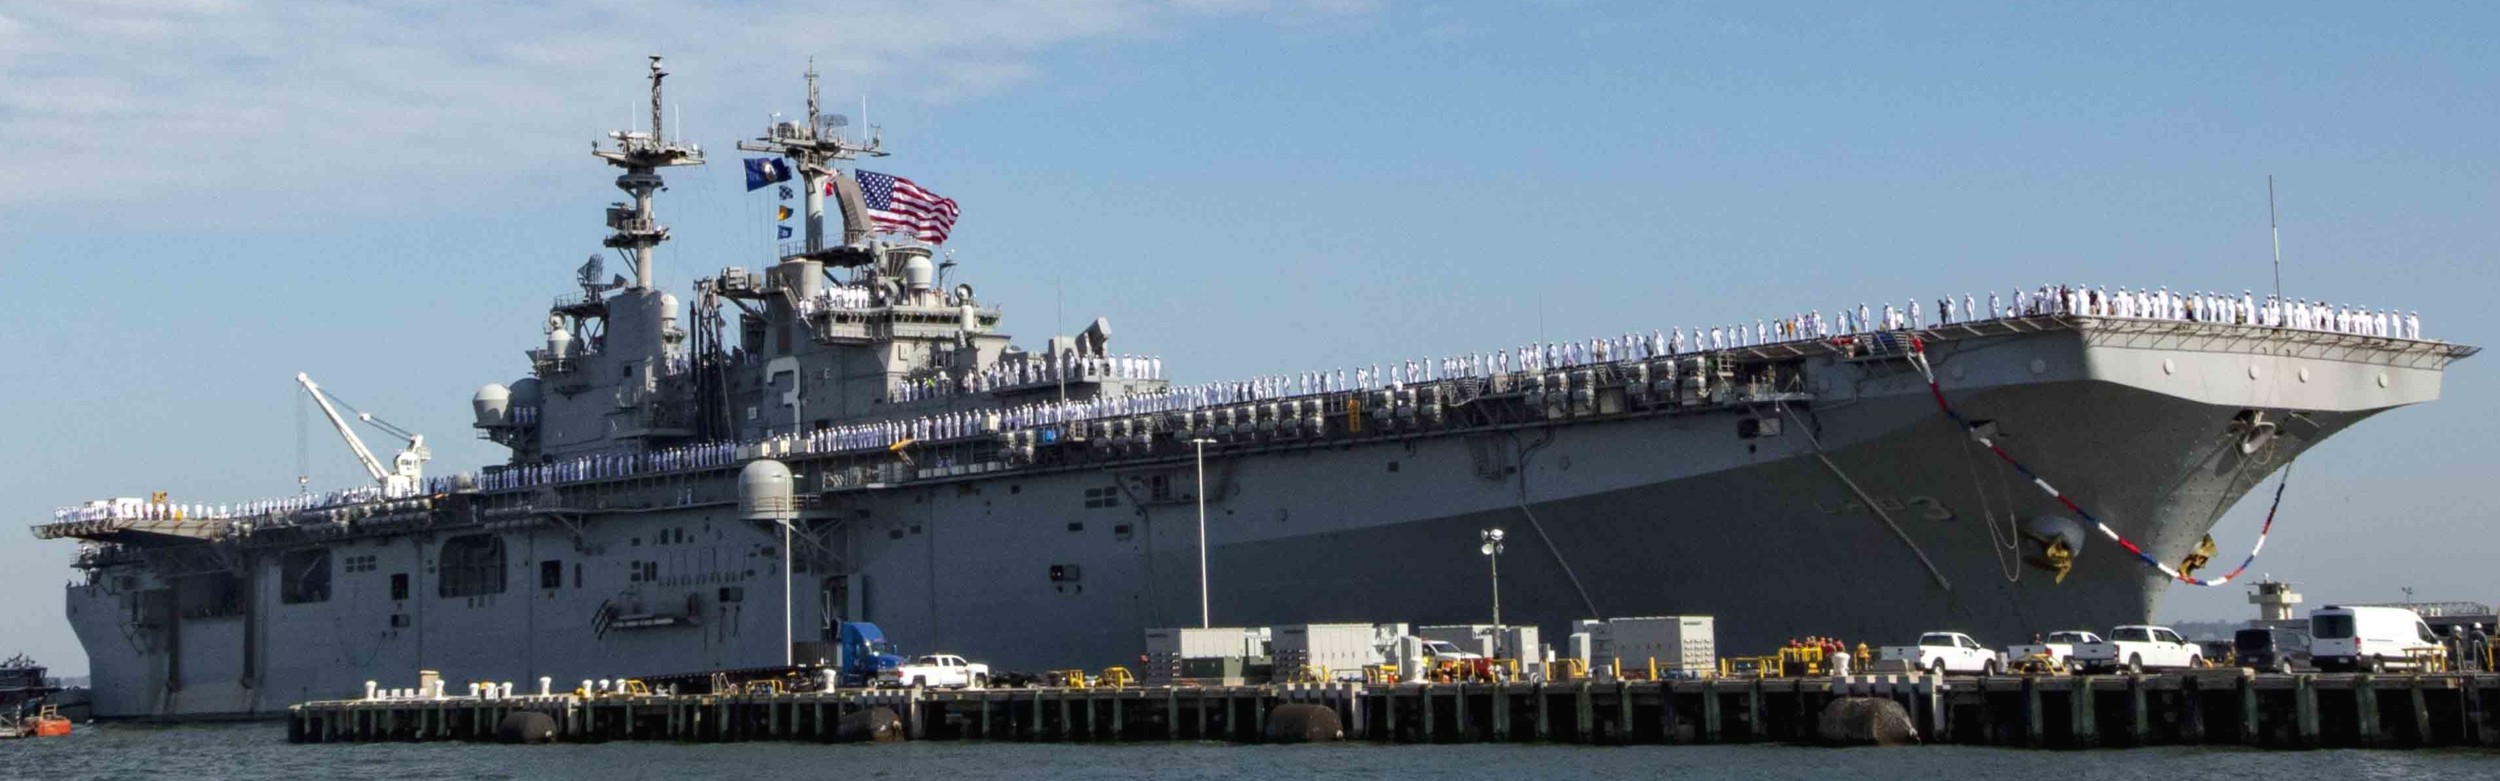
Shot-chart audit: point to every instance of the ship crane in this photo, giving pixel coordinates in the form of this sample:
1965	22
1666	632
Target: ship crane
406	474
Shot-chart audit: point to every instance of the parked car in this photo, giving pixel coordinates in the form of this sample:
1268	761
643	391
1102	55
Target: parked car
2272	650
2139	647
1944	652
2370	639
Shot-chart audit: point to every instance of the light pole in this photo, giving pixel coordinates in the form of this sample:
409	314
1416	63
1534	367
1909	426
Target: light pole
1493	553
1201	443
787	605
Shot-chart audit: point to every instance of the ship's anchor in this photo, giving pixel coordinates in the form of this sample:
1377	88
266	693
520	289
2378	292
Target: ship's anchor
2257	433
2059	539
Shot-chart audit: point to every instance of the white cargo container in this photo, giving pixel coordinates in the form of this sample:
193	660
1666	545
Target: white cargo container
1676	642
1330	649
1207	643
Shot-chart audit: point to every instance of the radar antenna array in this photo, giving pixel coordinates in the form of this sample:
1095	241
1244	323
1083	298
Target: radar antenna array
814	146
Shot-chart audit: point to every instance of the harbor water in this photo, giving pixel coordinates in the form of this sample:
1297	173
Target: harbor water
260	751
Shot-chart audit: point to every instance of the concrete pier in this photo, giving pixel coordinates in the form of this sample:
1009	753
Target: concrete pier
2055	712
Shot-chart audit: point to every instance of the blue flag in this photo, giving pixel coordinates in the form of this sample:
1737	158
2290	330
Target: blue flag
785	192
785	231
766	170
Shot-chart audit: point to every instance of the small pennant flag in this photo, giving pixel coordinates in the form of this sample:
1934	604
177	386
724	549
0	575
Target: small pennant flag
785	192
766	170
781	213
784	231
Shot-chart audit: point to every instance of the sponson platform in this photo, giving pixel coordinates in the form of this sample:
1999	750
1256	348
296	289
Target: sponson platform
2218	707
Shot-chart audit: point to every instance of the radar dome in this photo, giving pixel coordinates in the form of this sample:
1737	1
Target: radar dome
492	403
526	392
559	344
919	272
668	308
764	491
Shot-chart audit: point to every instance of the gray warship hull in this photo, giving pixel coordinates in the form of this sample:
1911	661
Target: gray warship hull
1842	503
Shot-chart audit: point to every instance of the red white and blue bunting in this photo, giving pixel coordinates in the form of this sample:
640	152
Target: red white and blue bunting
1918	357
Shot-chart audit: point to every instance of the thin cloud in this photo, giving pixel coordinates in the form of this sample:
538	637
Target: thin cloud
246	100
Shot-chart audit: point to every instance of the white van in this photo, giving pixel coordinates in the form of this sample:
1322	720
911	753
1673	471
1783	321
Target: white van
2369	638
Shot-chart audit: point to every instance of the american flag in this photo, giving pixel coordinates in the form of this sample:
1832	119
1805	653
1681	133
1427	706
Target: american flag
895	204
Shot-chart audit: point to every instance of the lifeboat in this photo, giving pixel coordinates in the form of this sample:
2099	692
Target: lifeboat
47	723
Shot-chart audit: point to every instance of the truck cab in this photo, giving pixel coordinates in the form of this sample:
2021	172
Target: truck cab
866	656
1446	651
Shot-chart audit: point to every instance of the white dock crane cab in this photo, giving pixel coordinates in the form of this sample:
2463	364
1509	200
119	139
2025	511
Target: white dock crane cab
406	474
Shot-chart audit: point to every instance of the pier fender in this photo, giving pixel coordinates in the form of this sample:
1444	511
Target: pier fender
1303	722
526	726
1865	721
873	725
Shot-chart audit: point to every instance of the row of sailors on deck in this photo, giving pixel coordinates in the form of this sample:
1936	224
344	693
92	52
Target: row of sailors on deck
1034	370
139	510
840	297
2162	304
709	454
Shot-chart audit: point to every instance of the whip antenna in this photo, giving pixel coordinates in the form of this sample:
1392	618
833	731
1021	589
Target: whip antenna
2276	227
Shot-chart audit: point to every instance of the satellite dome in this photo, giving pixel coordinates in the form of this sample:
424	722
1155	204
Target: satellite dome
526	392
491	405
764	491
918	272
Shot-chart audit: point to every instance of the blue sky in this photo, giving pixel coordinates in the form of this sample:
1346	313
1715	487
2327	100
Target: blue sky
202	198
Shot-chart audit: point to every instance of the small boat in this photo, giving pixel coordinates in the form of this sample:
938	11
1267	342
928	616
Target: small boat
46	723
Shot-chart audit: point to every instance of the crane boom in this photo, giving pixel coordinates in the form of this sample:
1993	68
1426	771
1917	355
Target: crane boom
364	456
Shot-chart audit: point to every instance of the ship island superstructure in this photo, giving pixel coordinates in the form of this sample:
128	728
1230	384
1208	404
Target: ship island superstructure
1038	508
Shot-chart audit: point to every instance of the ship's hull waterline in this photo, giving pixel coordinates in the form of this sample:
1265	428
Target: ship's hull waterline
1766	525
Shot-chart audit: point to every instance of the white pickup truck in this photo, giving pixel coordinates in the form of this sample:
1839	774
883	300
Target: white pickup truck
2136	648
2058	645
939	671
1944	652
